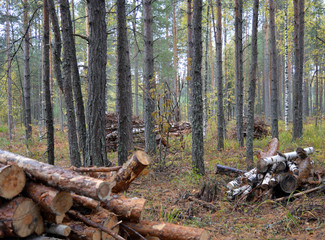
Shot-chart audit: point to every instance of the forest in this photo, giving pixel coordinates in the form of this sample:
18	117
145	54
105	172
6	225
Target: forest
205	91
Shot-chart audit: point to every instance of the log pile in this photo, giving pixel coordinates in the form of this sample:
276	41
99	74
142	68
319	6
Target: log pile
176	130
260	129
276	175
42	201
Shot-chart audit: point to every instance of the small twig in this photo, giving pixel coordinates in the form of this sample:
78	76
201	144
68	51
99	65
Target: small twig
321	187
93	224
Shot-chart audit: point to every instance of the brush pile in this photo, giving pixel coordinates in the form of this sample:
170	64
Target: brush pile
260	129
276	175
175	129
42	201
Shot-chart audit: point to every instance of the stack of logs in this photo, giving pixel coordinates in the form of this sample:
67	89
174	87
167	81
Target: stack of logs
38	201
276	175
176	129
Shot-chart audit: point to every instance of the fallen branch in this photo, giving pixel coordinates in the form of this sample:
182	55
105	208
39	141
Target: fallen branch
322	188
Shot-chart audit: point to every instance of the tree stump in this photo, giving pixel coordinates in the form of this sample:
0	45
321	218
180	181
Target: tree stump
208	192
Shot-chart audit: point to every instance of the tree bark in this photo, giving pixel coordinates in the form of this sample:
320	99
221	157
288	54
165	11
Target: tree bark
175	62
50	199
124	89
286	79
27	90
46	84
80	231
274	79
19	217
205	91
189	52
149	80
97	84
196	91
251	91
239	71
299	14
12	181
58	177
166	230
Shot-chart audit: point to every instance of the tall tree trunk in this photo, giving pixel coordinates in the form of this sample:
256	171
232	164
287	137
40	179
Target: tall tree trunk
196	91
267	102
226	103
220	112
46	84
286	79
274	79
136	63
316	109
239	70
65	84
189	53
28	112
175	61
96	117
124	89
299	14
149	80
251	91
205	93
10	117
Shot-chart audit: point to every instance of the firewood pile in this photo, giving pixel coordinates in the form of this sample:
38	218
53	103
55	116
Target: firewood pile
260	129
176	130
276	175
42	201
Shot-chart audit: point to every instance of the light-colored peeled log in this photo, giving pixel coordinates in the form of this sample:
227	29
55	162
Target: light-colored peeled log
166	231
59	177
80	231
58	229
263	163
49	198
130	170
12	181
20	217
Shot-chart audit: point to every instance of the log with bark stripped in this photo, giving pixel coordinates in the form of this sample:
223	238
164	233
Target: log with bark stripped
130	170
165	231
58	229
79	231
20	217
12	181
49	198
61	178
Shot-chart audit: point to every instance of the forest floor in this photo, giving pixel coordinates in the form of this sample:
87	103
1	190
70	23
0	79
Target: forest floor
167	187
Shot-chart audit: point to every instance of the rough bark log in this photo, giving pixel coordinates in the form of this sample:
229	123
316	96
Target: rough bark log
130	170
263	163
96	169
272	149
50	199
20	217
79	231
227	170
58	229
82	218
304	170
12	181
58	177
125	208
166	231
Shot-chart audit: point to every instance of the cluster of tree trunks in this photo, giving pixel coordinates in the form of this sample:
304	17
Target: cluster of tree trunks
275	175
176	130
41	200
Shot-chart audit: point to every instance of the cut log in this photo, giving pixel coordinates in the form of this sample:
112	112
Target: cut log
20	217
12	181
130	170
125	208
107	220
58	229
50	217
231	194
238	181
165	231
96	169
82	218
60	178
39	230
49	198
272	149
304	170
227	170
263	163
268	176
288	183
79	231
293	168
